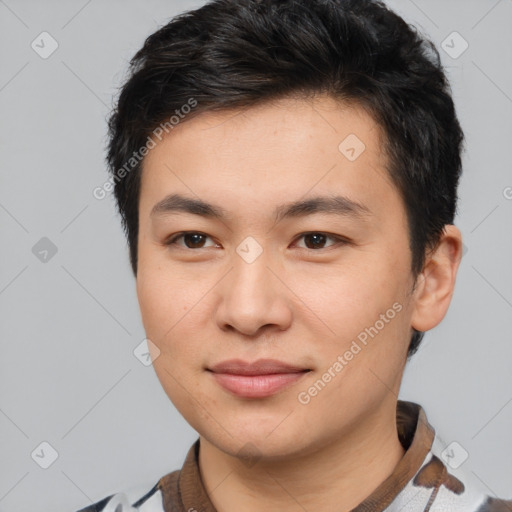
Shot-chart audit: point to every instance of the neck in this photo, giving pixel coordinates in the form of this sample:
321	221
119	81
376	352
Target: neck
338	475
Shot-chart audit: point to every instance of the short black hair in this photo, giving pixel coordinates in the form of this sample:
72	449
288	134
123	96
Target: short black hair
231	54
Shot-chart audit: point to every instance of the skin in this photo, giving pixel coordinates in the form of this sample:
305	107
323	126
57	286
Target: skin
301	301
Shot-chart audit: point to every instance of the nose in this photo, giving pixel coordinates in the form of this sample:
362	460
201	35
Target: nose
252	298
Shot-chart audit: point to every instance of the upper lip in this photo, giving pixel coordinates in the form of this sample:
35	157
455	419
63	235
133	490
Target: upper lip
258	367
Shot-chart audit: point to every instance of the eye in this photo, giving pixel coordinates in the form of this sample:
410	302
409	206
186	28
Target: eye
316	240
191	239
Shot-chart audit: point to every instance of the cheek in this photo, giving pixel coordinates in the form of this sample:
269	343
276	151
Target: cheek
170	322
153	304
175	313
165	297
365	309
352	296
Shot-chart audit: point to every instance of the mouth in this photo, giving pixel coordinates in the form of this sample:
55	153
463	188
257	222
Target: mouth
259	379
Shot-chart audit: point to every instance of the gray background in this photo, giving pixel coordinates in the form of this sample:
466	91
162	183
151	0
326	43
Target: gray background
68	375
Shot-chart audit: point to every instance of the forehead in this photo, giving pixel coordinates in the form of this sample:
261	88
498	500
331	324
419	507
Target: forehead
264	154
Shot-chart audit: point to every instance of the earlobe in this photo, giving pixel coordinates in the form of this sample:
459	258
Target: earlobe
436	283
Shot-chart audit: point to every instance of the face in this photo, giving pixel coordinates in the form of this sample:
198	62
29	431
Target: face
300	254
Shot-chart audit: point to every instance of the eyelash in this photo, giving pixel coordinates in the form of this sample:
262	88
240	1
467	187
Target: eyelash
339	240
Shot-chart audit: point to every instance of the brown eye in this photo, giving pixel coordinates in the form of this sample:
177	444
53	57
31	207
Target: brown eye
191	240
317	240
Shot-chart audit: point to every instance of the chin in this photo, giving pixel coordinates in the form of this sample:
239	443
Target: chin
250	442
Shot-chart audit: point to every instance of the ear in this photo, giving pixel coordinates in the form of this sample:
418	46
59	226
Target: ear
435	284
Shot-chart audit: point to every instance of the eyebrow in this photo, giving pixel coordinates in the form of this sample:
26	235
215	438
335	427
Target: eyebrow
337	205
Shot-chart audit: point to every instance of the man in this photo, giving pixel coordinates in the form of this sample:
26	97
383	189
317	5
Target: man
286	173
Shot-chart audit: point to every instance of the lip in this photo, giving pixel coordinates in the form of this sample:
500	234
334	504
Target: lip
261	378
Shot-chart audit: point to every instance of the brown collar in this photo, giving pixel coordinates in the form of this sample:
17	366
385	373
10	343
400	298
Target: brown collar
183	490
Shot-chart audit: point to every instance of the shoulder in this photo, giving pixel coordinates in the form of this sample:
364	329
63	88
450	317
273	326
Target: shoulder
143	498
442	487
495	505
161	496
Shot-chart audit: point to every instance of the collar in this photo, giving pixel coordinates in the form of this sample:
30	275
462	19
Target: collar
184	488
